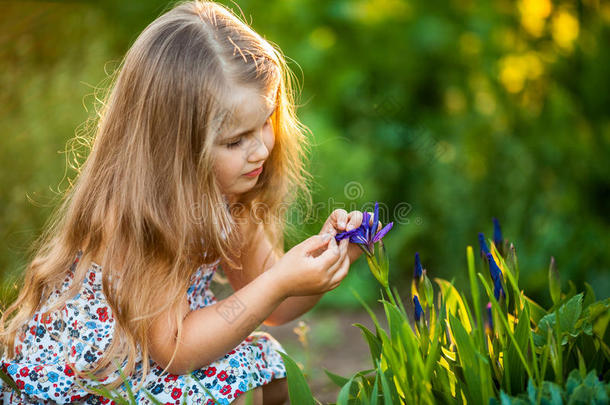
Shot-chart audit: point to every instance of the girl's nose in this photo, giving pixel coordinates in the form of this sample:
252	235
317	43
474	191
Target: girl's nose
260	150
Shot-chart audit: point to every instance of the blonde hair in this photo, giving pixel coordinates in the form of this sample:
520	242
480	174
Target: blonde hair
146	200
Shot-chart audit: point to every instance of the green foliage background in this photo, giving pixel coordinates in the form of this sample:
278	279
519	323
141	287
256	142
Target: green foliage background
450	113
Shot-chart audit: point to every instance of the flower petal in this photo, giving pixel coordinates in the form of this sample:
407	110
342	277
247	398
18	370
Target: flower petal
345	234
375	219
497	233
494	270
418	270
382	232
418	309
483	245
366	217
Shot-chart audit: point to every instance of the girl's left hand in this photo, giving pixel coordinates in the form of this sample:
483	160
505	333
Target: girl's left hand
339	221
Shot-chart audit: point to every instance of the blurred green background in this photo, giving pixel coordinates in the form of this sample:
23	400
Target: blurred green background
448	112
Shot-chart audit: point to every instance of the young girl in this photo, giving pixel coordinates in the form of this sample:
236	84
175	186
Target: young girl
196	150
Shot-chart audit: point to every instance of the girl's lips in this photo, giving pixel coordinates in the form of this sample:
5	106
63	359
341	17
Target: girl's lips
254	173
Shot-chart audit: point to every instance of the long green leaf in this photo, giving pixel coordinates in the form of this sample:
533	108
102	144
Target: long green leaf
476	296
454	302
9	381
476	375
510	334
515	377
298	389
344	394
373	341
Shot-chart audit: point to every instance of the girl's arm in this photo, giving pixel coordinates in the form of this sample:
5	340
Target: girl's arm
257	257
210	332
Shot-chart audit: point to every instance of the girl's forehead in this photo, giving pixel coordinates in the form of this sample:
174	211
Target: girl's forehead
249	107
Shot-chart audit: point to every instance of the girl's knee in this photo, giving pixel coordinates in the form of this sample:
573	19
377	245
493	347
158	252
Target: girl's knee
276	392
253	397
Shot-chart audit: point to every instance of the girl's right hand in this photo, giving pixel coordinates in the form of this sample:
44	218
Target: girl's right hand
299	272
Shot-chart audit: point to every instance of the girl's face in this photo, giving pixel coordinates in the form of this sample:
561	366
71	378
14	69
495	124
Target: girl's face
240	152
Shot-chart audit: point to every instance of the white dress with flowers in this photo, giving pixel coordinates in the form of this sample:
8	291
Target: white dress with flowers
80	333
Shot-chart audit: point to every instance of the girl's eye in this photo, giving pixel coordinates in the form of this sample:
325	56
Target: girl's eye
234	144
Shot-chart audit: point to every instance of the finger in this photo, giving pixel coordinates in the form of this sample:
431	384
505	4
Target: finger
342	257
316	242
330	255
343	245
340	218
354	220
341	272
371	222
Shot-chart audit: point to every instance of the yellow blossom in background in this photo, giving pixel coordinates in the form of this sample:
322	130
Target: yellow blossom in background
565	28
322	38
533	15
514	70
376	11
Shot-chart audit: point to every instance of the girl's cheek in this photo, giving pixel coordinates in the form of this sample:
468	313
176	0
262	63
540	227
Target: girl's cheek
269	139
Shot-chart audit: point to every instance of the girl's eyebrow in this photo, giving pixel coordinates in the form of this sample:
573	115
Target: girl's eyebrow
246	132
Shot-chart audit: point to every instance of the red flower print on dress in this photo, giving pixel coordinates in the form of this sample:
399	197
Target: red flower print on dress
68	371
24	371
103	314
47	370
171	377
46	318
176	393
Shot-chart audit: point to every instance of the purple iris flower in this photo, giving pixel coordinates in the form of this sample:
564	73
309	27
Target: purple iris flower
496	276
418	309
498	289
418	271
497	234
490	322
365	235
483	244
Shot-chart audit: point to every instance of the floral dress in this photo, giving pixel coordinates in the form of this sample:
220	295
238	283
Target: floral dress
84	329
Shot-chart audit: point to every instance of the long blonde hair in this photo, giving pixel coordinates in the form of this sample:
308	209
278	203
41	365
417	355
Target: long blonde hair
145	200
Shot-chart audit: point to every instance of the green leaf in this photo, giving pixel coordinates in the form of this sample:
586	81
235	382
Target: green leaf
9	381
388	394
589	295
516	370
569	313
554	282
454	302
536	311
476	296
337	379
298	389
477	375
373	341
344	394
